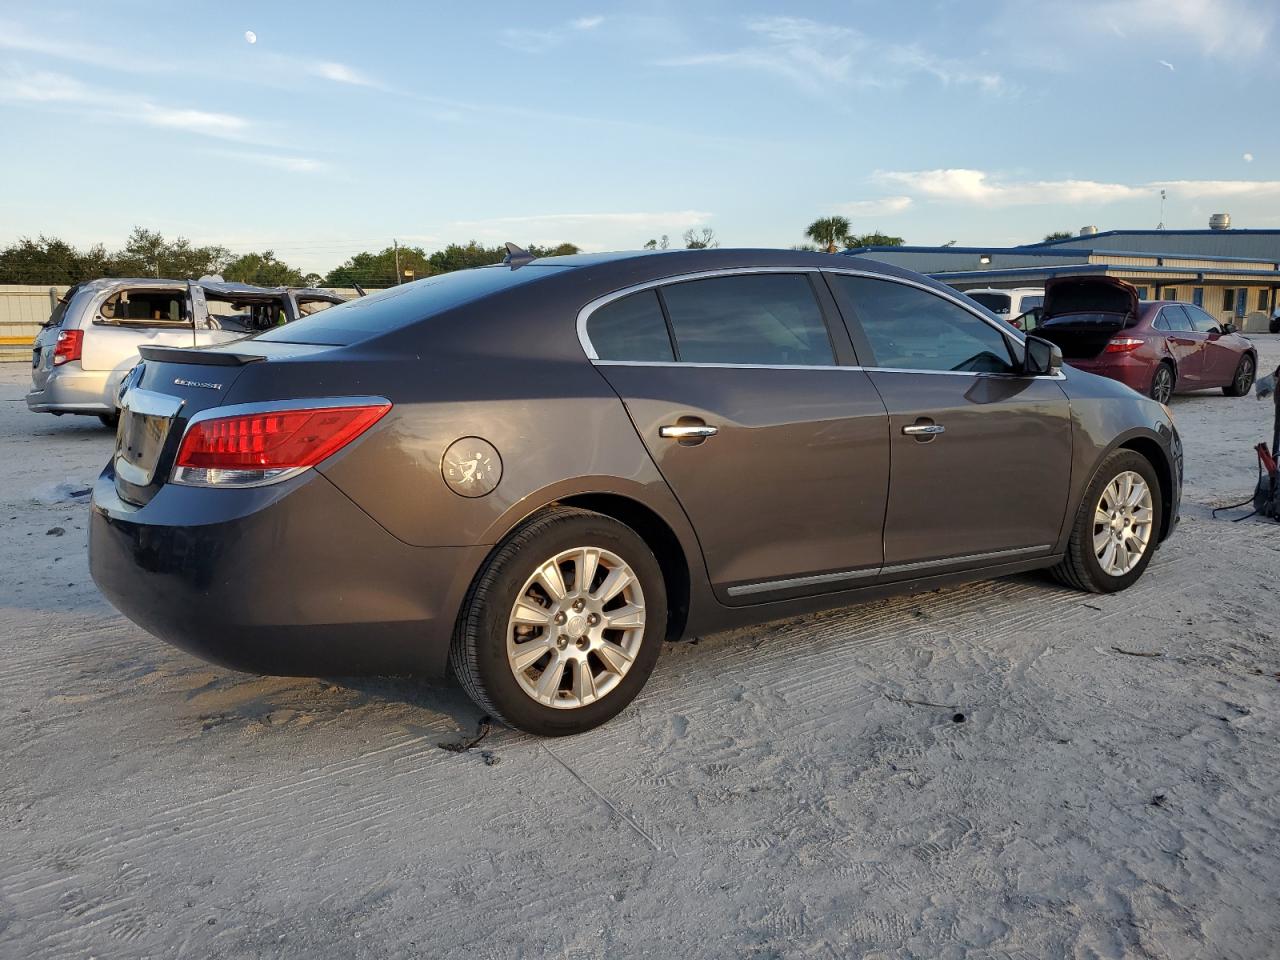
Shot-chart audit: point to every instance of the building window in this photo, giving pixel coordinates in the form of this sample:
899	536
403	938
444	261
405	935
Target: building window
1262	299
1228	300
1197	296
1171	293
1142	293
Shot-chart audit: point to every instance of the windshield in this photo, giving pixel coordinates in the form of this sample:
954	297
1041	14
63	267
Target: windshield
397	307
995	302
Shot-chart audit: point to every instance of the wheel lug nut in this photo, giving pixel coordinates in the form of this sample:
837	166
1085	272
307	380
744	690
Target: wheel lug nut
583	643
593	619
560	617
562	641
578	605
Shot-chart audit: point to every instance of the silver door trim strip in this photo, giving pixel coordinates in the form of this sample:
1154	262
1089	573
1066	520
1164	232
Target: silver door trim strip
769	586
967	558
797	366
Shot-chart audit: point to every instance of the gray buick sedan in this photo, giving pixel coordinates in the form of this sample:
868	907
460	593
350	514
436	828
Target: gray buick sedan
534	473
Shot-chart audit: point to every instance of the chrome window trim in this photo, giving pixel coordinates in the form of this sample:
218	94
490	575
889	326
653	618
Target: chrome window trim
585	313
849	368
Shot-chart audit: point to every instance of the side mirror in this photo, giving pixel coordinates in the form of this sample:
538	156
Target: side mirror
1228	327
1042	358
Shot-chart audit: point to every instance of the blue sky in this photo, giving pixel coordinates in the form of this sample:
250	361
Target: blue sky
605	124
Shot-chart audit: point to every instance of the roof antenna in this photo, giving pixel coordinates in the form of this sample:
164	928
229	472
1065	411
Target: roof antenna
517	256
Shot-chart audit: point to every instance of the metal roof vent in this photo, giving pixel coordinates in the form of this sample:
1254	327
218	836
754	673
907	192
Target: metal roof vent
1088	231
1220	221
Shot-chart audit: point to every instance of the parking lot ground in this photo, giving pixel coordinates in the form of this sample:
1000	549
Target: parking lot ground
1003	770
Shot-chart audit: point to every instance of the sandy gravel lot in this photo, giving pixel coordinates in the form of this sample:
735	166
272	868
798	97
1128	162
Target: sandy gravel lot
797	790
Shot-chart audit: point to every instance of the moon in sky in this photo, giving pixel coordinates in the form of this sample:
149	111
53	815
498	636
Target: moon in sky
250	36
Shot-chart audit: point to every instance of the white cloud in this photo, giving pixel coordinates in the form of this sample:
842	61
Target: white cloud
959	185
1230	27
818	56
283	162
540	40
341	73
1247	158
976	186
13	36
17	85
883	207
1166	63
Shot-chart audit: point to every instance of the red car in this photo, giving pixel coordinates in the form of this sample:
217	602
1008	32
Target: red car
1157	347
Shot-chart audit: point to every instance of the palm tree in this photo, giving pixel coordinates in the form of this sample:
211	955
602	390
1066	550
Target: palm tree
828	232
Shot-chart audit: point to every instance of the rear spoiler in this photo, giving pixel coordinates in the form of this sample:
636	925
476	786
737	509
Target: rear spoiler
202	355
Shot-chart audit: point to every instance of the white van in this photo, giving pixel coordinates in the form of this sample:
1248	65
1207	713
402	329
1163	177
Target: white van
91	339
1010	305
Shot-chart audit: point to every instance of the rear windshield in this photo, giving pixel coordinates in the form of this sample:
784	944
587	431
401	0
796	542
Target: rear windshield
398	307
995	302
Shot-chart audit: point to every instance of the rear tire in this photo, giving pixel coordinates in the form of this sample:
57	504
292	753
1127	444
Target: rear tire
1114	518
109	420
554	665
1242	382
1163	382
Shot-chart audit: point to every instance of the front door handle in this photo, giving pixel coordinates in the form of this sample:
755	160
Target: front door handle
924	429
688	431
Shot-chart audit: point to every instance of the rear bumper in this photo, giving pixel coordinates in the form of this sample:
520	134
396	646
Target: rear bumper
1133	372
291	580
72	391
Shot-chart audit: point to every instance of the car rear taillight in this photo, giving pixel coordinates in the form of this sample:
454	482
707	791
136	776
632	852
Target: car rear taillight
69	346
1123	344
266	446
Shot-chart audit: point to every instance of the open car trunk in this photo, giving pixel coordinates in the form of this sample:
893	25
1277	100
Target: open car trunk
1081	314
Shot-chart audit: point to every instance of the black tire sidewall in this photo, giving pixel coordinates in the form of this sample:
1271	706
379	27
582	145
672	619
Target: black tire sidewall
1232	388
1155	378
1117	463
507	574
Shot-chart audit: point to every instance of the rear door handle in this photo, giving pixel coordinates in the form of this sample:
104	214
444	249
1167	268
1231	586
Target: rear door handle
924	429
687	431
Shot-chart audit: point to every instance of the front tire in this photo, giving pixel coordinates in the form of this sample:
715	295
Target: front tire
1243	380
1162	382
563	625
1116	528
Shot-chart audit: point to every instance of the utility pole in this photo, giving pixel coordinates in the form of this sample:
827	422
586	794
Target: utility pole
1160	225
396	247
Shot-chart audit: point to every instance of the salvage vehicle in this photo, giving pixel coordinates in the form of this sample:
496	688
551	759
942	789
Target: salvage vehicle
533	473
1016	306
92	337
1157	347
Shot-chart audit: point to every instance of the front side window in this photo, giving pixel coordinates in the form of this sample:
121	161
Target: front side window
913	329
146	308
1201	322
631	328
769	319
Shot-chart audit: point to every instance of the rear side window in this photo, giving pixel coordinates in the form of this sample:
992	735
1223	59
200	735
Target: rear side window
995	302
631	328
398	307
1173	318
146	308
767	319
913	329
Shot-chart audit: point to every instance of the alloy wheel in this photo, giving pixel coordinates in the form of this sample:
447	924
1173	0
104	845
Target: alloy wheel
1122	521
1244	376
576	627
1162	388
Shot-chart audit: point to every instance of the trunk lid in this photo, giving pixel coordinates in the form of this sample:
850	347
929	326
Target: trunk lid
157	399
1082	314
